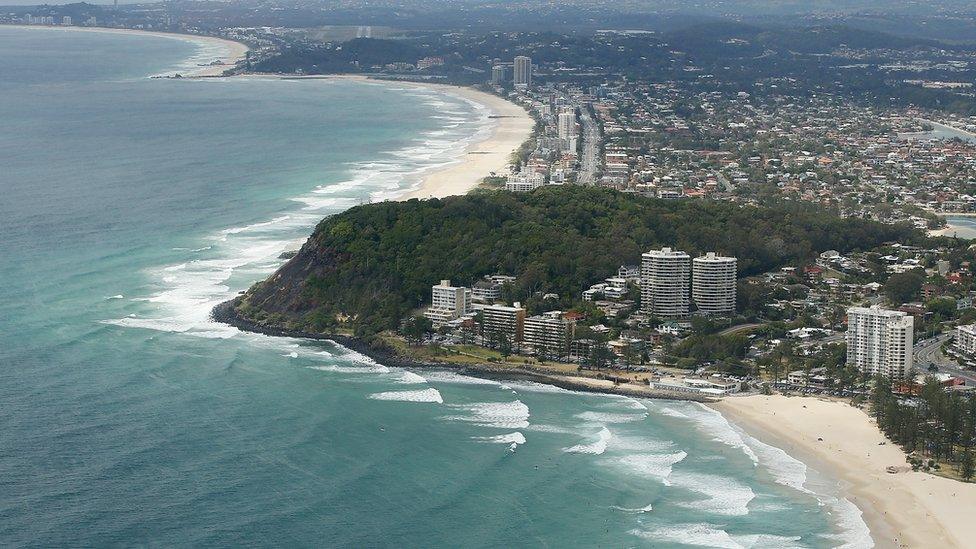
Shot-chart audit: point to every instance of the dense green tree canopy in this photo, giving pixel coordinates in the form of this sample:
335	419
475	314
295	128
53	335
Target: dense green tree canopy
369	266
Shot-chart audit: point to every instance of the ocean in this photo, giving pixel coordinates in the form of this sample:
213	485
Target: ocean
130	206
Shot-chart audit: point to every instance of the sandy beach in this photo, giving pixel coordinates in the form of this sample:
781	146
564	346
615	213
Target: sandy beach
512	127
230	52
906	509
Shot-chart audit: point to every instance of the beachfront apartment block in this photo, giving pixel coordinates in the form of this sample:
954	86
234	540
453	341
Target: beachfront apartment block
447	303
502	323
664	282
548	334
713	279
524	181
522	77
966	339
498	75
879	341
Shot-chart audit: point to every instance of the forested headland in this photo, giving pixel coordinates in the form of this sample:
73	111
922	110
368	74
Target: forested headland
367	268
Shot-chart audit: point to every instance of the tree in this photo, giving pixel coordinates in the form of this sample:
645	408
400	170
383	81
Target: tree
415	328
966	466
503	343
904	287
600	357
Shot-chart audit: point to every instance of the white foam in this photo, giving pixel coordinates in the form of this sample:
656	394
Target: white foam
767	541
701	535
854	533
640	444
784	468
502	415
425	395
186	291
551	429
626	402
510	438
671	412
714	424
723	495
605	418
410	378
445	376
345	369
597	447
655	466
646	509
534	387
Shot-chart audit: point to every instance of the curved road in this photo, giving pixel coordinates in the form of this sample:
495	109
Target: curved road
928	352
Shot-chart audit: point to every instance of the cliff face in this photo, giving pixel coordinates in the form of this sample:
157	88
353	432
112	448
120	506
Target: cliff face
369	267
283	292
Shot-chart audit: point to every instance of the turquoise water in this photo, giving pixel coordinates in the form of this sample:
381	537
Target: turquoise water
131	205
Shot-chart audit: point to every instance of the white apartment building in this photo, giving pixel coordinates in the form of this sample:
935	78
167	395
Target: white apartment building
567	124
713	280
447	303
523	72
524	181
664	282
498	74
879	341
502	321
966	339
547	334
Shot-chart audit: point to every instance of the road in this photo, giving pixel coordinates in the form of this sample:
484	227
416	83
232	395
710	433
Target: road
739	328
590	160
928	352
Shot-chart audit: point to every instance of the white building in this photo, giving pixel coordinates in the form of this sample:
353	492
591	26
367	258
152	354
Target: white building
966	339
611	288
447	303
486	291
567	124
664	282
523	72
502	322
713	284
547	334
524	181
879	341
498	74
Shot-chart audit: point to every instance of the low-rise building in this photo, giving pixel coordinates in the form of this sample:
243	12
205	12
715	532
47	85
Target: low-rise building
448	303
524	181
966	339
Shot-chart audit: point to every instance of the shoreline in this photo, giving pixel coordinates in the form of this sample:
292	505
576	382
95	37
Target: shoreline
511	126
953	230
948	128
904	509
225	314
234	52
